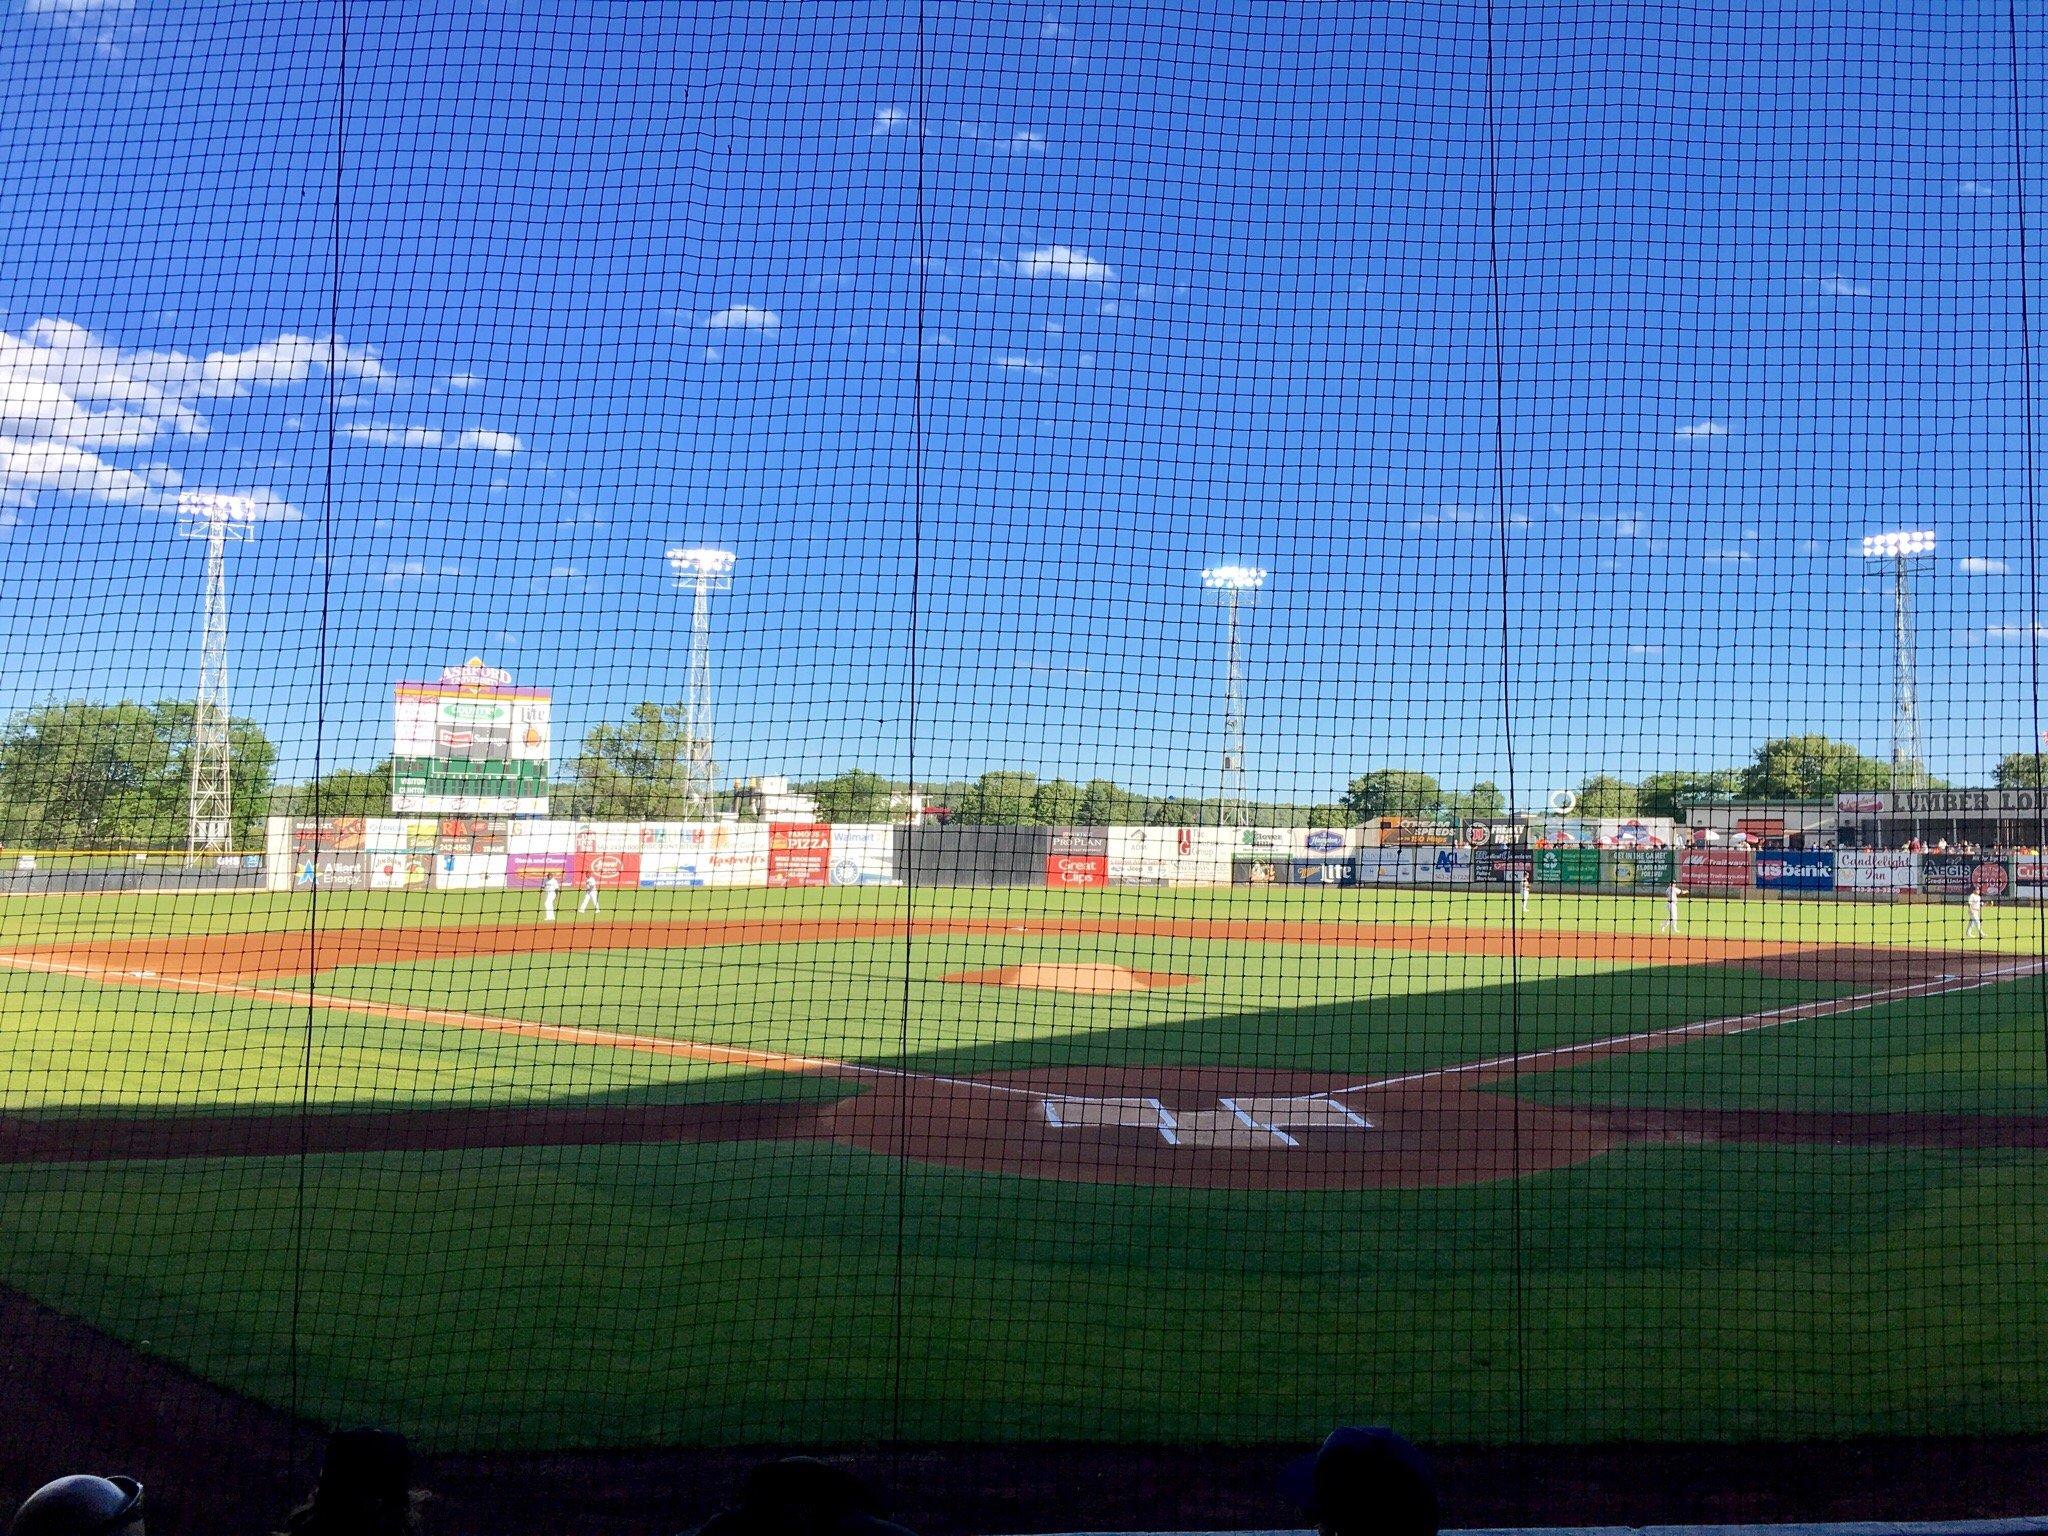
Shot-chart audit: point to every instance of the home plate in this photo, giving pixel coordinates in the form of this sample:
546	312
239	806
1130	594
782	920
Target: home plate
1260	1121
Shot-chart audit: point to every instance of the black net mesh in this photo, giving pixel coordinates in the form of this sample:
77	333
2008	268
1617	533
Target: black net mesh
998	723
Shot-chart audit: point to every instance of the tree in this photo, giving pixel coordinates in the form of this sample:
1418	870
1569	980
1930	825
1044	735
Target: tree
855	795
1000	798
1056	803
637	771
1810	768
1603	795
1670	792
1482	802
2022	770
1104	804
84	774
1328	816
343	792
1393	792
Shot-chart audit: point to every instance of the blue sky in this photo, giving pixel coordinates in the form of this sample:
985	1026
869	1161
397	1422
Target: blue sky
1153	286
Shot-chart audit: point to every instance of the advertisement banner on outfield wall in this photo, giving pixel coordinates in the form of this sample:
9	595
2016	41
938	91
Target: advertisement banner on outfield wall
1876	871
738	861
1335	870
799	853
1264	840
1632	869
471	834
331	872
2030	876
540	837
1254	870
397	871
384	834
468	872
1715	869
529	871
1438	866
1958	874
613	870
1566	864
1089	842
1074	871
1323	842
1380	866
1795	870
863	854
1501	866
335	834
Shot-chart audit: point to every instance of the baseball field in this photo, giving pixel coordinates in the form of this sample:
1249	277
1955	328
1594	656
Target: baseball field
829	1166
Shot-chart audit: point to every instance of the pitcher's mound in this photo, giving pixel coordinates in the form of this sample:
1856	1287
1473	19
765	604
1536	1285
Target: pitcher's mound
1073	978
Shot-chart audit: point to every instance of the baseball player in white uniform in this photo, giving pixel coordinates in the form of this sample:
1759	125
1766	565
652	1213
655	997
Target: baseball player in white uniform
589	901
550	888
1670	923
1975	907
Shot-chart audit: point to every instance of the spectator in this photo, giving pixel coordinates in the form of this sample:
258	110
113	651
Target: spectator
81	1506
1364	1482
802	1496
365	1488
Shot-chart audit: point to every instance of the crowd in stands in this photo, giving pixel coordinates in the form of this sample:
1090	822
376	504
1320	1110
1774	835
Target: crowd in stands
1360	1482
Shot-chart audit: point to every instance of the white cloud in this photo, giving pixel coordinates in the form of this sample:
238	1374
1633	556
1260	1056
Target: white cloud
1013	363
1729	557
503	444
386	436
2014	634
1055	29
743	317
1701	429
68	8
407	573
40	408
392	435
1972	189
463	381
1028	142
161	477
1646	650
1843	287
1972	565
1063	261
27	468
888	120
266	506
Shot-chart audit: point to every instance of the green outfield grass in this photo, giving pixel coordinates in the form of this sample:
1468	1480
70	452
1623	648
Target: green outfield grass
750	1291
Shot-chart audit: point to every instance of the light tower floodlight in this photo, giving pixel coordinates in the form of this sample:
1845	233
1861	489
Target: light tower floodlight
1908	769
1233	585
702	572
209	812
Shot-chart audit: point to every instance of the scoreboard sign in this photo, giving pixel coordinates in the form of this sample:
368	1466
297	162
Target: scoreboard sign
471	744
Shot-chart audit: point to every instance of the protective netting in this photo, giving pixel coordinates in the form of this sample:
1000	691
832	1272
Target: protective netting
1016	722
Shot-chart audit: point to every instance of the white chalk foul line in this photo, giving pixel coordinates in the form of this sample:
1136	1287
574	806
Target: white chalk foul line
1734	1024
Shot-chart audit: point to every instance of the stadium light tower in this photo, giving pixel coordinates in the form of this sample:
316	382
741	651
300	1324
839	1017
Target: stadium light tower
1233	586
702	571
1909	770
219	520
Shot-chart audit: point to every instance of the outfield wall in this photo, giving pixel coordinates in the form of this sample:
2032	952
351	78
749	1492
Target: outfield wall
470	853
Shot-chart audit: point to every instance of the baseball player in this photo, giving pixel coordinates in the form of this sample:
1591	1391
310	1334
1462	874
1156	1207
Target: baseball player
1975	907
1522	892
1670	923
589	901
550	888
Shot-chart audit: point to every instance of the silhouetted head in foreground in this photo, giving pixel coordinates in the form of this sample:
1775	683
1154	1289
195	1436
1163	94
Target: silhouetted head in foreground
365	1488
81	1506
1365	1482
802	1496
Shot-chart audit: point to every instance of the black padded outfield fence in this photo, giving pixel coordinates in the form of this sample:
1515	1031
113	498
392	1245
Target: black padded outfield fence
1042	736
